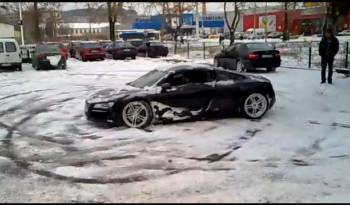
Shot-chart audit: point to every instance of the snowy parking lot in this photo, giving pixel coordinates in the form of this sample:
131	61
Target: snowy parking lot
49	152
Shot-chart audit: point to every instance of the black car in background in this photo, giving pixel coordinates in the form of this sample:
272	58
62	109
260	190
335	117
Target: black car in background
121	50
182	92
152	49
248	56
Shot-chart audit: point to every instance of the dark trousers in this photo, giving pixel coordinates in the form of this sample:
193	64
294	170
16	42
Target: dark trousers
324	62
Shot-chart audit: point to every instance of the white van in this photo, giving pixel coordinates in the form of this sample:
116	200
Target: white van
10	54
258	34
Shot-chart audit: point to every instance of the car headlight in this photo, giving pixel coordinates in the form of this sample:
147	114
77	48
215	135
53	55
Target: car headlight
103	105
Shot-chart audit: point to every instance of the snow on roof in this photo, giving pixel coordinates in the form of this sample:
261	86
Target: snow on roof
87	25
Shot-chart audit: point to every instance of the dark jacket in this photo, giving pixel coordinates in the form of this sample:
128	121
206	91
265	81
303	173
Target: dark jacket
333	48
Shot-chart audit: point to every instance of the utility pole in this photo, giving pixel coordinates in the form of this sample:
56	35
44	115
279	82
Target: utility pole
197	21
266	21
254	18
21	21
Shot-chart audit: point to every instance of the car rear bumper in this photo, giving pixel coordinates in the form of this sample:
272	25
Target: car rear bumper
94	56
8	65
96	115
267	63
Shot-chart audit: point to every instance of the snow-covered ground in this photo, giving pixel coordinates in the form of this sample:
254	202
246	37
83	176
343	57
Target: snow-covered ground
49	152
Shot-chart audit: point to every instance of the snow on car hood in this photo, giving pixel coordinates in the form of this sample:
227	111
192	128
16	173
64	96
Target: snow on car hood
258	78
110	94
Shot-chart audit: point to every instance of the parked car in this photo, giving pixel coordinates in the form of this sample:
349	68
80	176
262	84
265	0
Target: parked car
238	35
275	34
88	50
105	43
62	47
48	57
252	33
249	56
121	50
10	54
182	92
153	49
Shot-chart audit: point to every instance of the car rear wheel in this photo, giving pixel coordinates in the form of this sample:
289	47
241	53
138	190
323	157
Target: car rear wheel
62	65
255	105
240	67
216	62
269	69
137	114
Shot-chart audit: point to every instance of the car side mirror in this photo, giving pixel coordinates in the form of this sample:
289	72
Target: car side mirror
165	86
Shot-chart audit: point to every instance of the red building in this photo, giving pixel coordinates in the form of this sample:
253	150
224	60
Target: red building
308	21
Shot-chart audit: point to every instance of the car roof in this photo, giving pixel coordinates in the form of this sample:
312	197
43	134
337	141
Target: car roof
187	66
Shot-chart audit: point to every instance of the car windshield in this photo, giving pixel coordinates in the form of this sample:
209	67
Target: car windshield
156	44
136	43
90	45
47	49
259	46
148	79
123	45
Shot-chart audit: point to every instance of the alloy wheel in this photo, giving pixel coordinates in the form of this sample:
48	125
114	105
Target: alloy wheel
135	114
255	105
240	67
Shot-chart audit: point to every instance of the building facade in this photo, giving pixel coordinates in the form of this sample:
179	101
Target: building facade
208	24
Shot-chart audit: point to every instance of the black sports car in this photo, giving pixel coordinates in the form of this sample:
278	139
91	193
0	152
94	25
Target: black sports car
248	56
181	92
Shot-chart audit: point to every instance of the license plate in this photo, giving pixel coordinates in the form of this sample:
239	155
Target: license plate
54	59
6	64
126	50
267	56
94	51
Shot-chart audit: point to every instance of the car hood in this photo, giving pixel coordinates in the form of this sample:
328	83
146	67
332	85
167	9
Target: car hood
258	78
110	94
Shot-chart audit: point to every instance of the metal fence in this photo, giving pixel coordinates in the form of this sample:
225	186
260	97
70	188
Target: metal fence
294	54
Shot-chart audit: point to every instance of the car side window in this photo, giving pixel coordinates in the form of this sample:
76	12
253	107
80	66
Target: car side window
191	76
10	47
225	76
1	47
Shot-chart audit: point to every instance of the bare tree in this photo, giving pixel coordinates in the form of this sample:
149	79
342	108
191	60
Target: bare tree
287	7
36	17
114	11
232	26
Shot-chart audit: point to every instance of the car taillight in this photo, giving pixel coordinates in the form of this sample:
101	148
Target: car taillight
41	56
253	56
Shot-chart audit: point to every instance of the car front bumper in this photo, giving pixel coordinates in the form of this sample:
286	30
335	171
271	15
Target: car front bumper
97	114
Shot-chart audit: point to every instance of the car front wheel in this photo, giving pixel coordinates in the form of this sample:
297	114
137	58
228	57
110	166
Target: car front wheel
137	114
255	105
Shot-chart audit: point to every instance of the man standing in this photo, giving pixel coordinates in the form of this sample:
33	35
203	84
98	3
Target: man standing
328	48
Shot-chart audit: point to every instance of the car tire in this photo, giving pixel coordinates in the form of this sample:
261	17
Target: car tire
19	68
133	57
270	69
62	65
136	114
216	62
240	67
255	105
